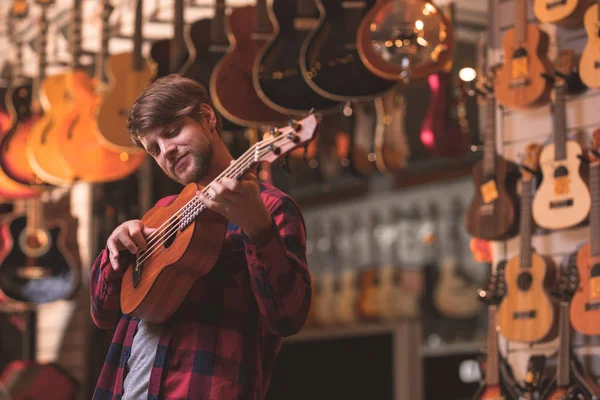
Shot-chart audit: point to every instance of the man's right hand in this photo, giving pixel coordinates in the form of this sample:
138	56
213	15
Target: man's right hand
129	236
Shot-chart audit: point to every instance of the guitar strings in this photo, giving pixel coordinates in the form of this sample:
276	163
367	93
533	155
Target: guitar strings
158	238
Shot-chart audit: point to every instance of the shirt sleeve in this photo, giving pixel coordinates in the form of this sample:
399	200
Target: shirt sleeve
278	270
105	288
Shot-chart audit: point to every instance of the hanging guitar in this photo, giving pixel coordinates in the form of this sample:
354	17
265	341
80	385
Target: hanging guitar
391	143
561	12
589	63
188	237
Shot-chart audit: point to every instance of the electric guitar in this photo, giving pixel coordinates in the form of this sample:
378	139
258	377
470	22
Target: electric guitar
585	307
589	64
188	237
519	83
527	313
563	199
560	12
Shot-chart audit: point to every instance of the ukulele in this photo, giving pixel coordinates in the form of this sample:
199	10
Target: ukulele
14	142
370	304
589	64
231	86
567	286
188	237
18	101
346	295
43	153
367	121
129	74
78	131
490	388
527	312
38	267
404	39
519	83
563	199
455	294
560	12
329	58
391	144
585	307
493	212
326	307
276	72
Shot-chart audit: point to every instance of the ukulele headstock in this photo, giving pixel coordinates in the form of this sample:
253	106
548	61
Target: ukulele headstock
496	288
594	151
569	281
281	141
44	2
19	9
531	163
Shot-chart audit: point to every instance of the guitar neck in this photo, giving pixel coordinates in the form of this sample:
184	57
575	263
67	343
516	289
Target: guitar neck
101	71
34	213
218	36
261	19
75	34
560	123
520	21
178	40
492	376
489	150
595	211
526	198
562	375
138	59
42	60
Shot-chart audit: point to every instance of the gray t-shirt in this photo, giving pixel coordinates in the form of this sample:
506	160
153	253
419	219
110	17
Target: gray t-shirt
143	351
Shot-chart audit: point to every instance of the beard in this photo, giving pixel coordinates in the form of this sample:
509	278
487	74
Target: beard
200	164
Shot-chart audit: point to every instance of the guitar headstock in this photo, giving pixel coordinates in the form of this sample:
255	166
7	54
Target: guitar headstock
531	163
496	288
284	140
107	9
569	281
19	9
44	2
594	151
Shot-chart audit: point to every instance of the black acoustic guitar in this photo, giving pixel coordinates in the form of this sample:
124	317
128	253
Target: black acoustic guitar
276	73
329	58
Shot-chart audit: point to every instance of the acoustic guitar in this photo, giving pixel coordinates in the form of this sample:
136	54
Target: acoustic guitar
391	143
38	266
188	237
404	39
367	121
329	57
231	86
561	12
563	199
276	73
493	213
17	99
42	150
519	83
14	142
585	307
78	136
346	296
527	312
589	64
129	74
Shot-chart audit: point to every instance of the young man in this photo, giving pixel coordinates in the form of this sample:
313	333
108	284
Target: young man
222	342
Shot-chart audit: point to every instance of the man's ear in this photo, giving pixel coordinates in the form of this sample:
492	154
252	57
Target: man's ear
209	115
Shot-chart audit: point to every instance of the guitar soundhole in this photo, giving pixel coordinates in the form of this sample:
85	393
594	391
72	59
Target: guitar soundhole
561	172
524	281
520	53
170	240
595	272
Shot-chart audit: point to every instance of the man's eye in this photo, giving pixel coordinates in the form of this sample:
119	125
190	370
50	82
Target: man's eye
173	132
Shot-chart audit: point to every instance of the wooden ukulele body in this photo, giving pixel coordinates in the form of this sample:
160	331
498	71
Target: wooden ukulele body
496	219
589	67
231	86
172	268
489	393
527	313
561	202
453	296
529	89
391	144
569	12
585	305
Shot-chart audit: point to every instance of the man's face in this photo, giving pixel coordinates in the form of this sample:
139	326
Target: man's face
183	150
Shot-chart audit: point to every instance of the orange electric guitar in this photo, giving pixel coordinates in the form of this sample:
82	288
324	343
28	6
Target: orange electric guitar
527	313
585	307
519	83
78	136
188	237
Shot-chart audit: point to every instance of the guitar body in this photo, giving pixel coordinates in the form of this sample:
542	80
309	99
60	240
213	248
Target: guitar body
561	201
346	298
366	122
391	144
518	89
497	219
161	55
565	12
30	254
556	394
589	64
325	309
453	296
329	58
231	86
126	86
173	267
276	72
585	305
489	393
527	313
43	144
370	306
78	143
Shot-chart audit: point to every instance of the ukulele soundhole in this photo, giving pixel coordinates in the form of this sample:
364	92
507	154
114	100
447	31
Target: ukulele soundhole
524	281
170	240
595	272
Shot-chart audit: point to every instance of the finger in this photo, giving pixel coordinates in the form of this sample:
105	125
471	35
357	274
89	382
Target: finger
113	255
147	231
137	237
128	243
220	193
212	204
231	184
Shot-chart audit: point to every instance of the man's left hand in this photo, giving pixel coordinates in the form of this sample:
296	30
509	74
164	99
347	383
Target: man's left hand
240	202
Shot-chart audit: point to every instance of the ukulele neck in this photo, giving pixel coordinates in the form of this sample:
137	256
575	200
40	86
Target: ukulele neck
520	22
526	198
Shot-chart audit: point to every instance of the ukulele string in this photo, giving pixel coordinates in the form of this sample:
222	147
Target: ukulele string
198	206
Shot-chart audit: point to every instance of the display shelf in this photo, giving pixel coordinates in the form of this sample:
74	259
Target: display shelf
343	331
451	349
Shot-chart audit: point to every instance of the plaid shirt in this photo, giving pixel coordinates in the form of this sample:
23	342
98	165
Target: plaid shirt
223	341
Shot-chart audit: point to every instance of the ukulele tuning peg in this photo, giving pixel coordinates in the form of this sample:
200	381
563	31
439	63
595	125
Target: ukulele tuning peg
294	125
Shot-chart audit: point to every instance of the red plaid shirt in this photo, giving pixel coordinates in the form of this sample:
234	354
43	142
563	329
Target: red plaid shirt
222	342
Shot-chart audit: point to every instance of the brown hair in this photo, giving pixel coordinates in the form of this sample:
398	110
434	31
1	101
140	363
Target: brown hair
166	101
